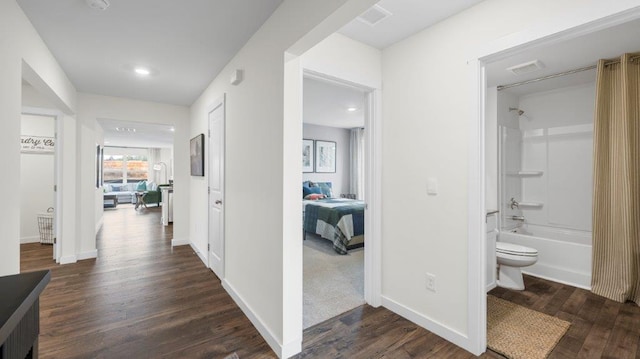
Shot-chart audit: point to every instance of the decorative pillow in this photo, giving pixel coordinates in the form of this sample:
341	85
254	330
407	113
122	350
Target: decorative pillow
316	190
314	196
326	188
106	188
115	188
141	186
152	186
305	191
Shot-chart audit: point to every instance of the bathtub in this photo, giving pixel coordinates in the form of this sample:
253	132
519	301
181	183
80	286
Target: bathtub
564	255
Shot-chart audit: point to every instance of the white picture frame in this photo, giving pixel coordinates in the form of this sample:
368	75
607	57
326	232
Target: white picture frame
325	156
307	156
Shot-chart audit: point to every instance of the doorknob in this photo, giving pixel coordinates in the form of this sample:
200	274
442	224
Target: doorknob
218	201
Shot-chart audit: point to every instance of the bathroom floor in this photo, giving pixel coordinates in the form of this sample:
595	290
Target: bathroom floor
600	328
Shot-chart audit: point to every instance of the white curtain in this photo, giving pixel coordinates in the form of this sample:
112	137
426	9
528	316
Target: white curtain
356	149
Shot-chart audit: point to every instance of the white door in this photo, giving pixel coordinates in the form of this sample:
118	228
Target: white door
216	188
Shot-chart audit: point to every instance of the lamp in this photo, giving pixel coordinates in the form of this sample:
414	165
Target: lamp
158	167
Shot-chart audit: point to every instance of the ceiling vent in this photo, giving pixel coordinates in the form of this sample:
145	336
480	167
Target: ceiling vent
526	67
374	15
98	4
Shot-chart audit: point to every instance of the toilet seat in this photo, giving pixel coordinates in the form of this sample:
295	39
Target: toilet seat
515	249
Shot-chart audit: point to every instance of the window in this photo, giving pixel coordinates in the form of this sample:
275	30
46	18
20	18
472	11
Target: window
137	168
125	165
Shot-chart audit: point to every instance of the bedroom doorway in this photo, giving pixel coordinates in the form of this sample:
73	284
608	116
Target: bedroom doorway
334	176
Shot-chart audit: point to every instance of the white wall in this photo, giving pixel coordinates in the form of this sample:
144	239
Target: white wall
90	108
22	49
558	139
36	178
510	156
428	87
261	150
339	179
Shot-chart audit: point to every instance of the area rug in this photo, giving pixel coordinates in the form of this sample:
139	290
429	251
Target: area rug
333	283
517	332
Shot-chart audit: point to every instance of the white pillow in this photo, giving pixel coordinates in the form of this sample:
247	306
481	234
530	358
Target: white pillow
151	186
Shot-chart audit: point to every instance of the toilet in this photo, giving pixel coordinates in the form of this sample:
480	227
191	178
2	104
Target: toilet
511	257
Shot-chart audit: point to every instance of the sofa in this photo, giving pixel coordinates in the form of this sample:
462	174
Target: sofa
126	192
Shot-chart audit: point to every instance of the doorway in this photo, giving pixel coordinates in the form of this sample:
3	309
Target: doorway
337	113
38	182
539	120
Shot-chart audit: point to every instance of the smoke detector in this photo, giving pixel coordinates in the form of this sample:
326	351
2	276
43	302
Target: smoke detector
526	67
374	15
98	4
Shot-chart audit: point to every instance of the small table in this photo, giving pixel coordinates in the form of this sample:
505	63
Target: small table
140	200
110	200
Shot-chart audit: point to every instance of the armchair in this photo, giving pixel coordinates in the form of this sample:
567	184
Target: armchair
155	196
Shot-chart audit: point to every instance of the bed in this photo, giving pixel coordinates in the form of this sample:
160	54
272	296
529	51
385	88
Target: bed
339	220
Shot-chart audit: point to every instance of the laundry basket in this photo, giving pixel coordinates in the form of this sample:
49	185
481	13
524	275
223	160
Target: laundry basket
45	226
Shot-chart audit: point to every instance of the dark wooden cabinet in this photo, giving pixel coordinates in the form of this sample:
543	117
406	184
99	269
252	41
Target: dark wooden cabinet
20	314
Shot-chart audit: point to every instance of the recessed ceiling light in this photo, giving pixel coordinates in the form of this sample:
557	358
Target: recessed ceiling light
352	109
125	129
98	4
142	71
172	129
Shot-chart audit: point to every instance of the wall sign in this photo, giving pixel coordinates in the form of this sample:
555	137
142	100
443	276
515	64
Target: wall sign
37	144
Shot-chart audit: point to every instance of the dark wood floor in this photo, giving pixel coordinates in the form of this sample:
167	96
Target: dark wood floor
600	328
141	299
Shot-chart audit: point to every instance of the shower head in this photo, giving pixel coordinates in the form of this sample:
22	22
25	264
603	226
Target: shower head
520	112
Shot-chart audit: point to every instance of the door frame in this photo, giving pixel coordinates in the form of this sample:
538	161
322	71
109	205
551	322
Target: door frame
219	102
57	175
373	181
555	31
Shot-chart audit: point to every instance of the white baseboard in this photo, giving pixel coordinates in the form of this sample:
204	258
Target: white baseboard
179	242
439	329
33	239
68	259
282	351
201	255
88	254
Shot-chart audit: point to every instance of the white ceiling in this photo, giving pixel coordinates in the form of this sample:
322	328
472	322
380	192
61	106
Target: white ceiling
326	104
564	56
146	135
408	17
185	46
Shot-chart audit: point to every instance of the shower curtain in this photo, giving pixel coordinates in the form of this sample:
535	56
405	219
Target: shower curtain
616	194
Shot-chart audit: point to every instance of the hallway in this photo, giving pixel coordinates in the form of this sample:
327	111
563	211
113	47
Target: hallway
138	299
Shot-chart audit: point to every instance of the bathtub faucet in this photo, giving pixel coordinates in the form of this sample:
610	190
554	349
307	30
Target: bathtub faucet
518	218
513	203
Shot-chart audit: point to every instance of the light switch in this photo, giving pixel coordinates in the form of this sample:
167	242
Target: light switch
432	186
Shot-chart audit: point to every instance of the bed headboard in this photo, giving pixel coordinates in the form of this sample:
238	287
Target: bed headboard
309	187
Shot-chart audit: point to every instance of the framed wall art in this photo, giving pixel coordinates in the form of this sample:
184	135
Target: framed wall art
307	156
196	151
325	157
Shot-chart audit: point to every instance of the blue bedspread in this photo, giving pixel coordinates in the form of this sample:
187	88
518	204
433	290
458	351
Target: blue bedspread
336	219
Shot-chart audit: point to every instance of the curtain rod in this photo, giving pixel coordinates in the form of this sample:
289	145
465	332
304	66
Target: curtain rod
559	74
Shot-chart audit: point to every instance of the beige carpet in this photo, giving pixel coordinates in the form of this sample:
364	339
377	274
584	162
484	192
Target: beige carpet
517	332
333	283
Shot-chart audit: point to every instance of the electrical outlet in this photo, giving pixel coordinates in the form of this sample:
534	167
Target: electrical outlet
431	282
